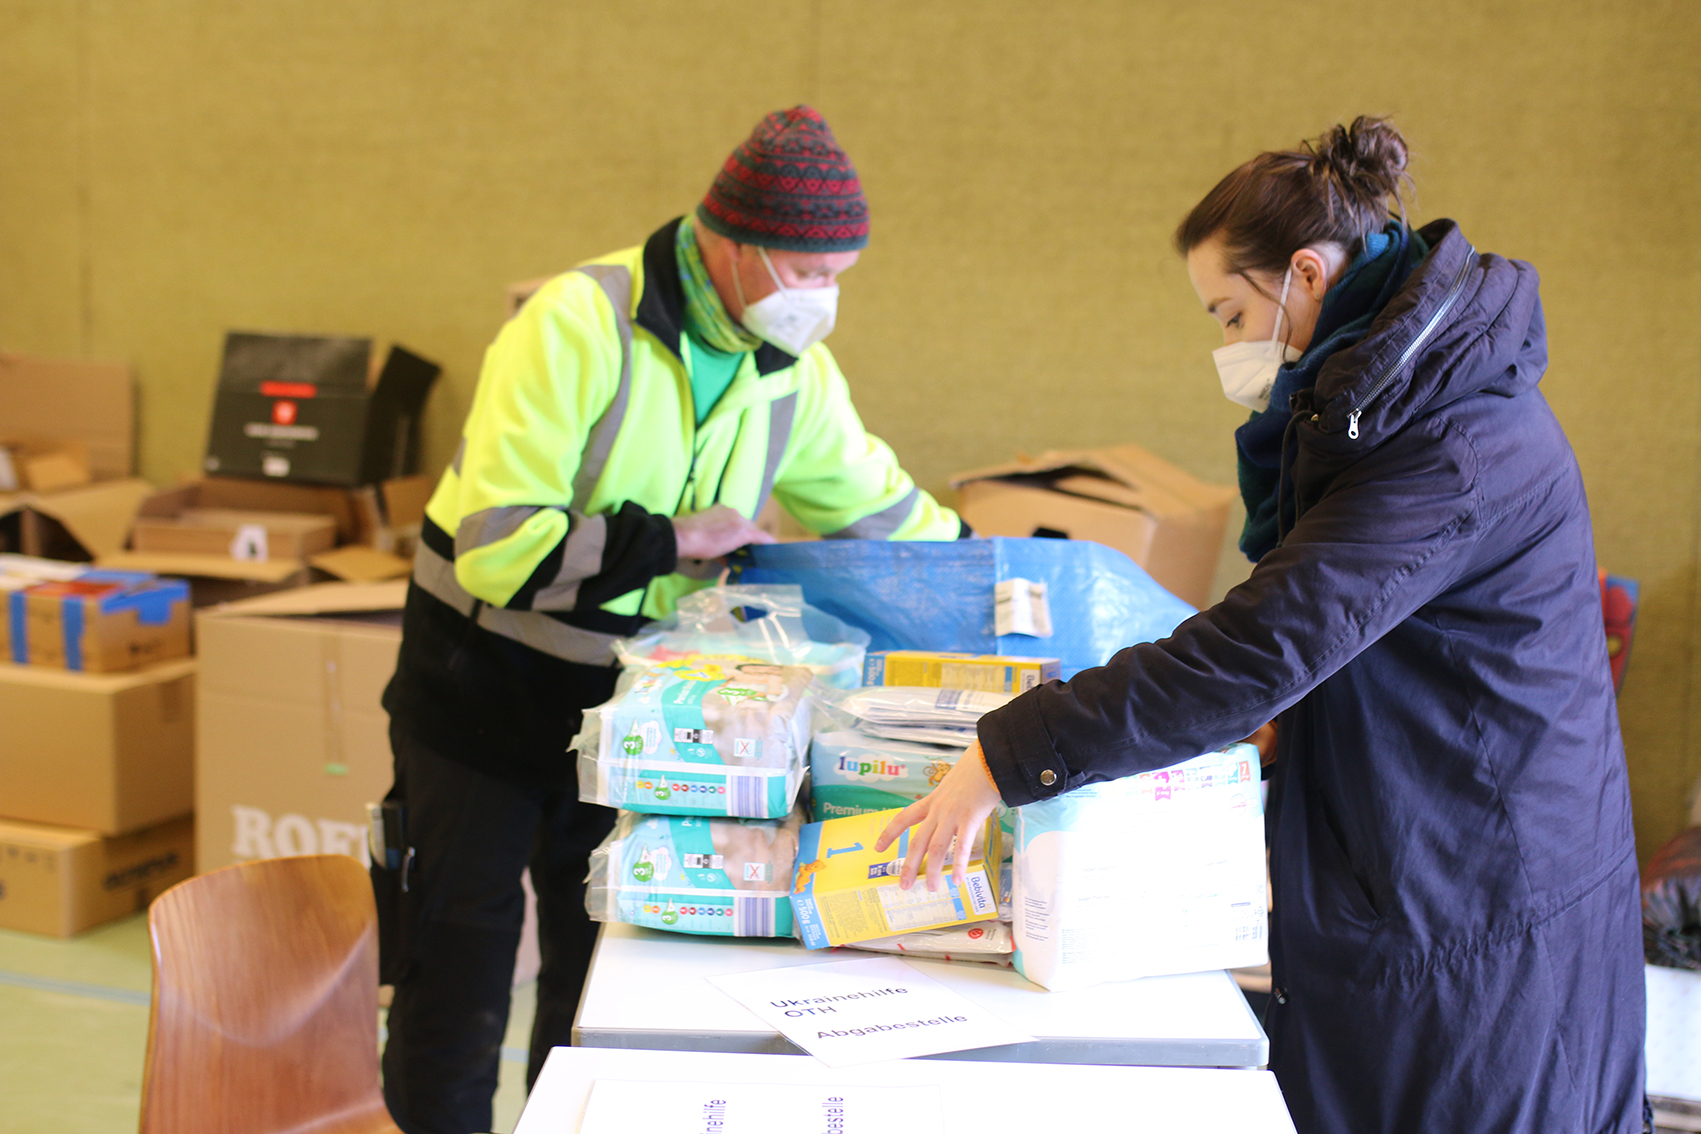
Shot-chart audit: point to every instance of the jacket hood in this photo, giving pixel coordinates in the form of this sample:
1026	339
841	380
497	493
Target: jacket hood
1464	323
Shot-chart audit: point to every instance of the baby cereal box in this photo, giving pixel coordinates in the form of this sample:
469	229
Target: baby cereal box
844	892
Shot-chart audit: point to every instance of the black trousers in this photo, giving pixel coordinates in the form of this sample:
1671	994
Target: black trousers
448	943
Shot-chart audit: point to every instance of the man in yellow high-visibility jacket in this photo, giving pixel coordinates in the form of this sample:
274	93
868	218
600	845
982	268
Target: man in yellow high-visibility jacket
630	422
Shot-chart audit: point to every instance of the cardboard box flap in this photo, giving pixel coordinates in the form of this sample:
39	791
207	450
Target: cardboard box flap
203	566
97	515
92	402
322	598
357	564
294	365
1126	475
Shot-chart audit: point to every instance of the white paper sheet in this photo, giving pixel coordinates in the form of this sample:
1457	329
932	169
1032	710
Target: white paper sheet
849	1012
622	1106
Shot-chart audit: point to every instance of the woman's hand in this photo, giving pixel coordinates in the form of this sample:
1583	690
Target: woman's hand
957	808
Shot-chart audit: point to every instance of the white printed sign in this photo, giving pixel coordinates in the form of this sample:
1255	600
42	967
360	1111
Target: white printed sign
622	1106
849	1012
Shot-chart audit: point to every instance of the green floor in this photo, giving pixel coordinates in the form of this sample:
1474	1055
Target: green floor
74	1032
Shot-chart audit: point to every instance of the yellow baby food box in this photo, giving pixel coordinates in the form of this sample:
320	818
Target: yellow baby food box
843	892
991	673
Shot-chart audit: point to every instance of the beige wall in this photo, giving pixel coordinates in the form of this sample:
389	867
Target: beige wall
171	170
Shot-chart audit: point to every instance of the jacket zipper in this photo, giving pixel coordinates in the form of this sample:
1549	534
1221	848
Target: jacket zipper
1453	291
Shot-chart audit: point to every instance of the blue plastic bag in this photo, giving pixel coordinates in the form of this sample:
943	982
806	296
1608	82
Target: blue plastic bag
939	596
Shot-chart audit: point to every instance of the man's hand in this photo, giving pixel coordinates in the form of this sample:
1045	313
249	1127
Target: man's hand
956	809
714	532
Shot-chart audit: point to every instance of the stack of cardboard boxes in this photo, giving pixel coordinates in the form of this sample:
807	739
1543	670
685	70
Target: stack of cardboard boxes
98	691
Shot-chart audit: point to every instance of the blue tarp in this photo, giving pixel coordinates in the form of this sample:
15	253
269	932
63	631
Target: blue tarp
939	596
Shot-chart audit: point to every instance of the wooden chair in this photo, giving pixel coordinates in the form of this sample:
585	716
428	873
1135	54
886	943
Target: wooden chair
265	1009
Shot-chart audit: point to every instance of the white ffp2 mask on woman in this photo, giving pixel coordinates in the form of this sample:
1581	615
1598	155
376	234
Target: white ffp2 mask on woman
793	319
1248	370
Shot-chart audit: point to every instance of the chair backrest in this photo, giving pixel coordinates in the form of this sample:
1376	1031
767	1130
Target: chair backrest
265	1008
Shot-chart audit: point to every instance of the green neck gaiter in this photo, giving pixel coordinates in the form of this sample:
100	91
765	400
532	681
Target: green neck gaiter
706	316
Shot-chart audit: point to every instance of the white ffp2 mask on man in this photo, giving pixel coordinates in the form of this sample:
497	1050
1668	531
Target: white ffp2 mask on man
793	319
1248	370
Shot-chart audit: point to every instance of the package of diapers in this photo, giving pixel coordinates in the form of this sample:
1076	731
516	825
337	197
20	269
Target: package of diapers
763	624
852	773
723	877
1161	872
704	735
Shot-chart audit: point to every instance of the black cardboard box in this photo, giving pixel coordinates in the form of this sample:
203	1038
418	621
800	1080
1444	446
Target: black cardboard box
310	409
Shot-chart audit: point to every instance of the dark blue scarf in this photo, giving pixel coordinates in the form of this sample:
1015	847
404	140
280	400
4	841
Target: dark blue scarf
1349	307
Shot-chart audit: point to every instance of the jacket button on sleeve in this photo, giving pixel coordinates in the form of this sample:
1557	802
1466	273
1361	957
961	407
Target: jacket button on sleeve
1048	777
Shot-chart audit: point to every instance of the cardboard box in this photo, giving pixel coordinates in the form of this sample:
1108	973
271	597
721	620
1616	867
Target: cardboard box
107	752
236	533
99	622
60	881
293	743
991	673
378	524
1165	519
76	417
43	464
292	740
316	409
91	403
843	892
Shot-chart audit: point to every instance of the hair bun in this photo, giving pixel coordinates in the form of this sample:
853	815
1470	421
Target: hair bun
1367	155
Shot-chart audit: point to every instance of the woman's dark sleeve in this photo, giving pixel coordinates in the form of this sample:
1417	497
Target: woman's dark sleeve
1390	535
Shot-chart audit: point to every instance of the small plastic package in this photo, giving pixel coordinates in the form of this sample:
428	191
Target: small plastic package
843	892
1156	873
703	735
926	715
764	624
721	877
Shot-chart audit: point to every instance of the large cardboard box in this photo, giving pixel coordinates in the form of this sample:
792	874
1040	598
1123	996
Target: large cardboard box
292	740
85	413
1162	517
111	753
61	881
317	409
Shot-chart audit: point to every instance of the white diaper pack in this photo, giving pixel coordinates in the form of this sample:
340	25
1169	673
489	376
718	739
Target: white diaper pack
1156	873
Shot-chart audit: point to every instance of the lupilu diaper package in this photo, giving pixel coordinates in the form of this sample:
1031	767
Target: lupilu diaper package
1156	873
843	892
701	735
852	773
715	876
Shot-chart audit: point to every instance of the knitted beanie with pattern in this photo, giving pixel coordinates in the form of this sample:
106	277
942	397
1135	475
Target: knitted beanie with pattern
789	186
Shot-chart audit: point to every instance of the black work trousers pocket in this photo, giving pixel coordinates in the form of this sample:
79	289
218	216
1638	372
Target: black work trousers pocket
398	915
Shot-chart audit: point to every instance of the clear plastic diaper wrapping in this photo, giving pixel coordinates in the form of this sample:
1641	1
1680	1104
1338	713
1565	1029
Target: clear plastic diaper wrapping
1156	873
702	735
765	624
715	876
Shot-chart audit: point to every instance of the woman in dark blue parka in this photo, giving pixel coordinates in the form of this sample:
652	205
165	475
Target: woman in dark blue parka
1455	938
